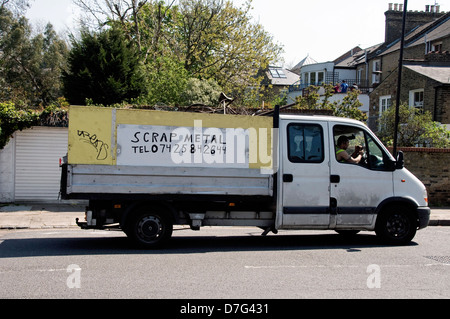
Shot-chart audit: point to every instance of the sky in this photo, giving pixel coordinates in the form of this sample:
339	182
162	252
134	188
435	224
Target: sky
322	29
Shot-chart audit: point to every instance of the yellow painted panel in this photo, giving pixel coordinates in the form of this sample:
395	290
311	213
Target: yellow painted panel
90	136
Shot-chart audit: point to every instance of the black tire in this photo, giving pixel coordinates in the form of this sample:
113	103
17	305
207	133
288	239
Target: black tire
149	227
396	225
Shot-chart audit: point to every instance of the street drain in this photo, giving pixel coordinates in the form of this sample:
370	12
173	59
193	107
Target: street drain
440	259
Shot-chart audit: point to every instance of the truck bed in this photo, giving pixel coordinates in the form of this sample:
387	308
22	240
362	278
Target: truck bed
83	180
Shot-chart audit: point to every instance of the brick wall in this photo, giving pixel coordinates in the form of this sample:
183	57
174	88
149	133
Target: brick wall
387	87
431	166
443	101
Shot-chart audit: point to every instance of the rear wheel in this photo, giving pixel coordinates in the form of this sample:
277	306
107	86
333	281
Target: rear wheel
150	227
396	225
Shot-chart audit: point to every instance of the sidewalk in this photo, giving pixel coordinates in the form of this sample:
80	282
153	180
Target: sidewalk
42	216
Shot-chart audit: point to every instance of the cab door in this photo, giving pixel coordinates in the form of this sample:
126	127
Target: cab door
305	175
358	189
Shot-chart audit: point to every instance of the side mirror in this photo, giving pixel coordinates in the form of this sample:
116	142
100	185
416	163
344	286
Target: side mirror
400	160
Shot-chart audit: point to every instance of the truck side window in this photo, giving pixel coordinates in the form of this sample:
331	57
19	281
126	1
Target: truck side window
373	158
305	143
376	158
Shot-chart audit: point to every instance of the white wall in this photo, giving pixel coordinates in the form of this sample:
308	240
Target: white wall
29	165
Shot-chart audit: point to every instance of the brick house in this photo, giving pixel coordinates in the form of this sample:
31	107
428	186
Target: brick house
426	70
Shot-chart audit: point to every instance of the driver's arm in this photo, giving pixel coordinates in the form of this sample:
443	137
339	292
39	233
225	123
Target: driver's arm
348	158
354	160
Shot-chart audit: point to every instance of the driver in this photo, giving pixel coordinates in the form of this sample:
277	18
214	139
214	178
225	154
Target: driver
342	155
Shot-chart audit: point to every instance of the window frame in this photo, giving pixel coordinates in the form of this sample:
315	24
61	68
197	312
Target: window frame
322	144
384	98
412	98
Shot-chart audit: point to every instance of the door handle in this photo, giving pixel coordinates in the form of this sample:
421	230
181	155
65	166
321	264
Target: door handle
335	179
288	178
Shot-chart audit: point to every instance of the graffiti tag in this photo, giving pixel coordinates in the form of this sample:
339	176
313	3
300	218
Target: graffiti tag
100	146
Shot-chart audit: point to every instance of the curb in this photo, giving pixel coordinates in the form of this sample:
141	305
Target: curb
439	222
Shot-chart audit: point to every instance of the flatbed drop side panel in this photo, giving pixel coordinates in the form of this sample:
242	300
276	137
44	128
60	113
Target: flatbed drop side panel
123	151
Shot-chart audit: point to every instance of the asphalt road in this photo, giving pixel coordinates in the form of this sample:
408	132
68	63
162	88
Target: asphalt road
222	263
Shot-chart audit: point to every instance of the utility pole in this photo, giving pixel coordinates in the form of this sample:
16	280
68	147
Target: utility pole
399	82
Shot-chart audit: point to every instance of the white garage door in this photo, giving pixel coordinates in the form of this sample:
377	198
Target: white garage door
37	171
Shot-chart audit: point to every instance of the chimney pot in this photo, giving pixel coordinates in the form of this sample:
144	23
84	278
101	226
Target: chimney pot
400	6
395	6
438	8
390	6
427	8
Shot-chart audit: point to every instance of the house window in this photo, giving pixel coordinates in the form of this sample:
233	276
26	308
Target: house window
416	98
277	73
312	80
385	104
359	75
376	71
320	77
437	47
434	47
306	78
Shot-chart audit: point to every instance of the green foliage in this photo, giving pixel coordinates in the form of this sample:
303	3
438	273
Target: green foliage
12	120
221	42
55	114
205	39
205	92
103	68
348	107
165	80
30	66
416	129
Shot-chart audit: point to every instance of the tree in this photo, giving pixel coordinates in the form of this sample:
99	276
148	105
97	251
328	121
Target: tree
349	106
221	42
165	81
16	6
12	119
416	129
103	68
143	22
209	39
30	67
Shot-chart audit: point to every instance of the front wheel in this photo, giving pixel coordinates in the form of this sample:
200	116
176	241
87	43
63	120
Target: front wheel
150	227
396	225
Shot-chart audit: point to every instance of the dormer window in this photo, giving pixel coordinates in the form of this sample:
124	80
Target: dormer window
277	73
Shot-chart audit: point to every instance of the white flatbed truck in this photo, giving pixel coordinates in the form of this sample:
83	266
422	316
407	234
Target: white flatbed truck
146	171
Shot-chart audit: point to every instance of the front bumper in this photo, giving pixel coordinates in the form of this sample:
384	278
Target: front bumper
423	213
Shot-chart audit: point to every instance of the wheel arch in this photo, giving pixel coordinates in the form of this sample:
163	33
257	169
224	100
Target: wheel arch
393	201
